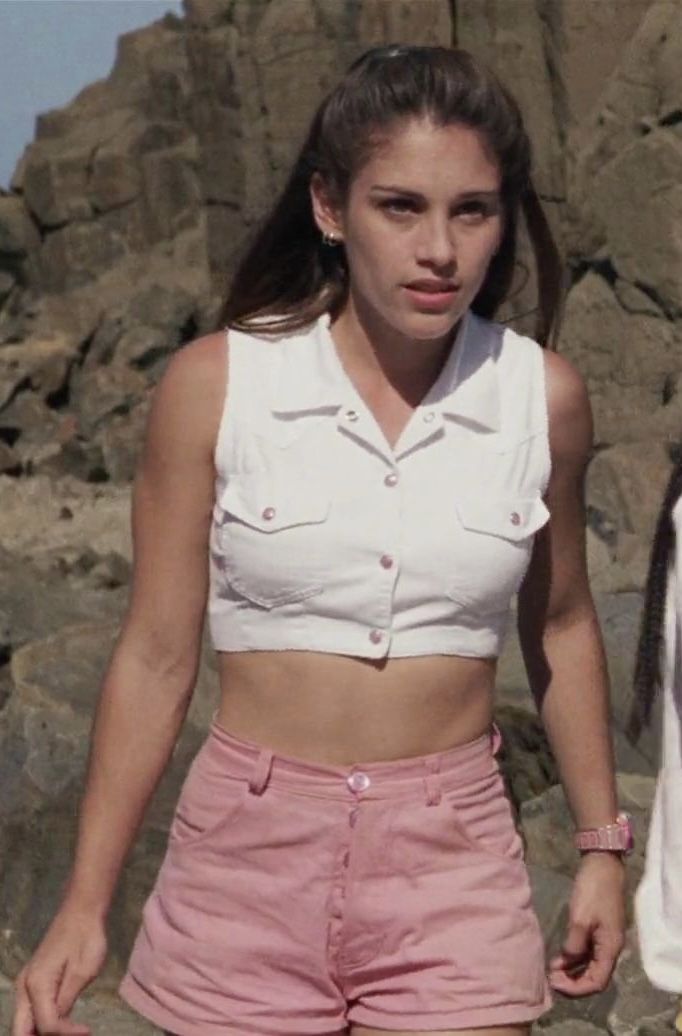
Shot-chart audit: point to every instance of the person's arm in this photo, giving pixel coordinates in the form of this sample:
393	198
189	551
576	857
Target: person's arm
149	680
566	665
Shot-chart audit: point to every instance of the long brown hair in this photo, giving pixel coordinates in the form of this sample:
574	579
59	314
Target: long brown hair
288	277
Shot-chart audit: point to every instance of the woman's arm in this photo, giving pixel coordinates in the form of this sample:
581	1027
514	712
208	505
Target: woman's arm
149	680
566	665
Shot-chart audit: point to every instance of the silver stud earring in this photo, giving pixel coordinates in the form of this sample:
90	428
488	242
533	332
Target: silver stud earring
330	240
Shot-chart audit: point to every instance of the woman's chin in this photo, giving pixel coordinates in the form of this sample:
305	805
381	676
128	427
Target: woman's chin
429	325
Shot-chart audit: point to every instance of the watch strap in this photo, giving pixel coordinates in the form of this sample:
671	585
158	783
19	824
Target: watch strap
616	837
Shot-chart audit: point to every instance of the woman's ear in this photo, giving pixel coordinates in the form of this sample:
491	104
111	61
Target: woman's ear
326	210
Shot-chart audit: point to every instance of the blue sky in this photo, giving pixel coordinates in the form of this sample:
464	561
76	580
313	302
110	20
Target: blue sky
51	49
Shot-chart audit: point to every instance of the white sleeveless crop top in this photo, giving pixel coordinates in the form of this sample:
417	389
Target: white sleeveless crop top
325	539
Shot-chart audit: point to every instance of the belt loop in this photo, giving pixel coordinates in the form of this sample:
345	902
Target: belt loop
432	781
260	773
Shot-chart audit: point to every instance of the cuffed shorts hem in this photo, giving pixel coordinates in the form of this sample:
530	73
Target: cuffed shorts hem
136	997
473	1018
145	1005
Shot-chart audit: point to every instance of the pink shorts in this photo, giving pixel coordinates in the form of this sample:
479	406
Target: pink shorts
297	898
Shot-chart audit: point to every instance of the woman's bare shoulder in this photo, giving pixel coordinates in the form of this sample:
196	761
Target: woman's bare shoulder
201	361
568	407
191	393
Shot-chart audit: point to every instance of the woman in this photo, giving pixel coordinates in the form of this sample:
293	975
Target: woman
658	901
359	504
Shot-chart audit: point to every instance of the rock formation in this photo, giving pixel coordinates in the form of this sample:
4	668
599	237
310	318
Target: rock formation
123	222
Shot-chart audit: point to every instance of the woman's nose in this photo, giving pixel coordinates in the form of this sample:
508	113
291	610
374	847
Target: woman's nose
437	244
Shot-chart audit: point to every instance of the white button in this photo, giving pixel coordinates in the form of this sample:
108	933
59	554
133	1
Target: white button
387	561
515	518
268	513
352	415
391	480
376	636
359	781
428	417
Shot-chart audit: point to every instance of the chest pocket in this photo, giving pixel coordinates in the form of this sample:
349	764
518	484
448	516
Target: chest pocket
269	535
494	544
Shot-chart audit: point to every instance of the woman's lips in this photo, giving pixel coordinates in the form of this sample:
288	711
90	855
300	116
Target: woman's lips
430	298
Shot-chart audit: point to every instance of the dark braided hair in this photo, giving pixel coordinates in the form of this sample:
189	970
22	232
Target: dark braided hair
647	680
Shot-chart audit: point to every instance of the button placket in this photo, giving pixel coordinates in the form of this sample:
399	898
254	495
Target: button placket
380	632
424	425
379	635
361	426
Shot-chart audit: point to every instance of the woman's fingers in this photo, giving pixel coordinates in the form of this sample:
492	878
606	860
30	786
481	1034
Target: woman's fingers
575	985
576	945
43	990
72	984
583	969
22	1023
68	959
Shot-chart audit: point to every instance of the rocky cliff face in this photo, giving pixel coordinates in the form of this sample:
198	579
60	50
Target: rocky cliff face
129	208
123	222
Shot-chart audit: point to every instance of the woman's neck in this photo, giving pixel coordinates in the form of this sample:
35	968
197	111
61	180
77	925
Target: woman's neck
373	352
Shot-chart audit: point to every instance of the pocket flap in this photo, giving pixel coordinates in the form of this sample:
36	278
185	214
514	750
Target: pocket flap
513	518
269	507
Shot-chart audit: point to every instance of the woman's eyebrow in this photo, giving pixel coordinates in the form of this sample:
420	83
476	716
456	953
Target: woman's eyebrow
390	189
463	196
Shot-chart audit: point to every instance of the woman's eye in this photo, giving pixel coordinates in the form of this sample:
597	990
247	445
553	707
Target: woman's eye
472	211
400	205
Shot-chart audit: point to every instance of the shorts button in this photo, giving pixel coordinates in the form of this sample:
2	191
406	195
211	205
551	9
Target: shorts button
391	480
376	636
359	781
268	513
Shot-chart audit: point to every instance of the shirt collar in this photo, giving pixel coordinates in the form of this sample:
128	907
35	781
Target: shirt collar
308	377
468	388
311	377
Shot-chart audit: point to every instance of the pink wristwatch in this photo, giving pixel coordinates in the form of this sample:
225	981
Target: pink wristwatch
610	838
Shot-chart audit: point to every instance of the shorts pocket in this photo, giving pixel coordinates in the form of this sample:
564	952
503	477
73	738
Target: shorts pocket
269	538
483	817
210	801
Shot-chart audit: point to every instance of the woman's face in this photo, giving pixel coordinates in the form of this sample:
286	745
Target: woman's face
422	220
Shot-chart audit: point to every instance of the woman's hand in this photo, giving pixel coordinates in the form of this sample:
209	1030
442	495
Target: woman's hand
596	927
71	954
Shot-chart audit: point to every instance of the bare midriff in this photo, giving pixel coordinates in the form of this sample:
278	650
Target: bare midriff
343	710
